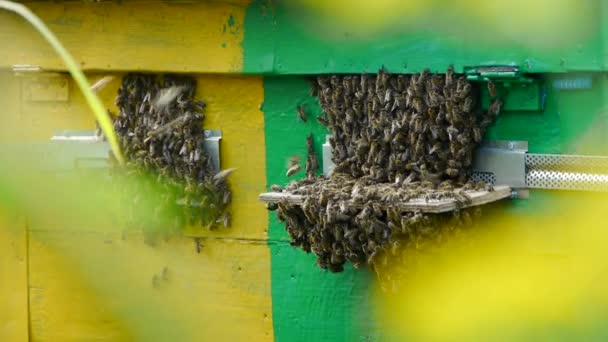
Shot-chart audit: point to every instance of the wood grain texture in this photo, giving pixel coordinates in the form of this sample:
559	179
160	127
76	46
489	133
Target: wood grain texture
13	278
95	286
309	303
31	121
416	204
88	283
234	107
130	35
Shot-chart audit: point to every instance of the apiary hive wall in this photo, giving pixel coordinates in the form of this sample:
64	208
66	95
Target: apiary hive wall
131	35
412	36
90	281
572	122
266	37
309	304
248	282
106	286
14	309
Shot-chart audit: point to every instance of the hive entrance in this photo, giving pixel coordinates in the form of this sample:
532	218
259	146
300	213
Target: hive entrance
168	171
402	146
419	204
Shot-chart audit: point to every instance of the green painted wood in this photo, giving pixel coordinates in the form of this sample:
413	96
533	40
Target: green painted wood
312	304
574	121
309	304
281	38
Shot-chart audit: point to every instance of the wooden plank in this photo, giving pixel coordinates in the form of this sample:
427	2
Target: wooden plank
198	36
109	287
233	106
13	279
418	204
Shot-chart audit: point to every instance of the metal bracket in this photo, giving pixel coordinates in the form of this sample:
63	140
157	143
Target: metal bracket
503	73
508	163
502	162
212	146
518	92
505	160
73	149
496	162
328	164
82	149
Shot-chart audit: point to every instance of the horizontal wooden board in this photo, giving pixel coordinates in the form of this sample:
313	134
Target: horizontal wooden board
418	204
94	286
153	35
13	278
233	106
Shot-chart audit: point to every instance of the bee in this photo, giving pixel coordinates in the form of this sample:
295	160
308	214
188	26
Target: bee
467	105
491	89
495	107
314	87
302	113
222	175
293	170
198	245
449	76
364	82
225	220
323	120
101	83
451	172
477	136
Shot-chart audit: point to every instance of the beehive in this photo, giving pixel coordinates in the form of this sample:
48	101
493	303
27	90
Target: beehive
251	62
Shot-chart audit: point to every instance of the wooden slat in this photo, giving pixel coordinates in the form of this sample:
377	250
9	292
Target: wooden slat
97	286
172	36
418	204
13	275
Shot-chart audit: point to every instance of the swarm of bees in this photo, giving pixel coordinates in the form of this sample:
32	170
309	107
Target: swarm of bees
160	130
394	138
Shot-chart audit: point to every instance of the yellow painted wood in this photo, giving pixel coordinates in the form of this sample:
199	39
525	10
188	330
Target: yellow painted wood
155	35
88	283
24	120
13	279
234	106
95	286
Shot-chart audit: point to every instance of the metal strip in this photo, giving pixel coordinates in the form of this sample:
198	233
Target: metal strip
544	179
71	149
505	160
328	164
567	163
212	146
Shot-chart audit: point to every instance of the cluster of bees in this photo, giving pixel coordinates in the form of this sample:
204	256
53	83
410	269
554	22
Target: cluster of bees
160	131
401	128
394	138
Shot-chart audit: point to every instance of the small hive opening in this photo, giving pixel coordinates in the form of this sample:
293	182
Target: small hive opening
395	139
160	129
